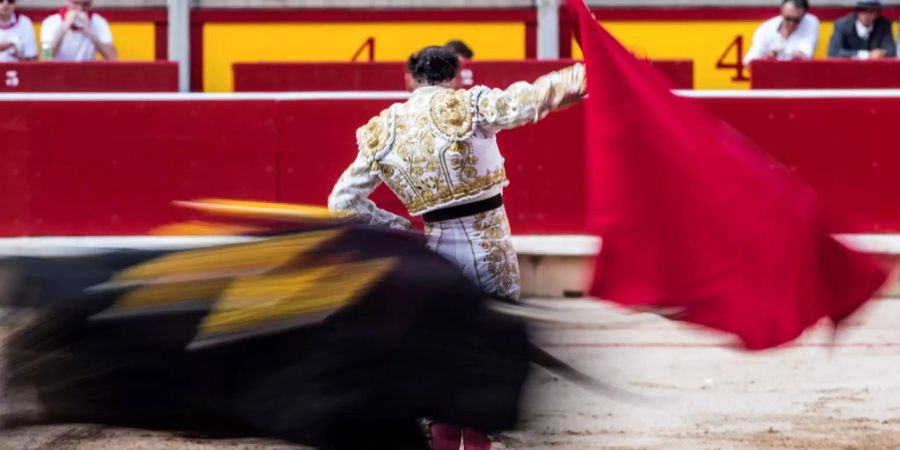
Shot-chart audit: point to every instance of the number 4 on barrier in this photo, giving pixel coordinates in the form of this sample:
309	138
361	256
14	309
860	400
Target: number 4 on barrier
369	44
738	65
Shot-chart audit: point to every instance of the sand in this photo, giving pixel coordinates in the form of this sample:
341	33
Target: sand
691	390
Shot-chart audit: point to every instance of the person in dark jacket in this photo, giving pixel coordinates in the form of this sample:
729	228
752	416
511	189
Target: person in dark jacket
863	34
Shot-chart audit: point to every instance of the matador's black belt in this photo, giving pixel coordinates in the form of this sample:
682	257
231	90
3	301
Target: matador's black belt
466	210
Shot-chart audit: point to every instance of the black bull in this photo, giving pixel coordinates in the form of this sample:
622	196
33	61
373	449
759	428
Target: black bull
419	341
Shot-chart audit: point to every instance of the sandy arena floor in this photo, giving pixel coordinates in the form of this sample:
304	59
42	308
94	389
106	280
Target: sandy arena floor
692	392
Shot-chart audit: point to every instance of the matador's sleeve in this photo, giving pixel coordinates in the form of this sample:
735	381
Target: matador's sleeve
523	103
352	190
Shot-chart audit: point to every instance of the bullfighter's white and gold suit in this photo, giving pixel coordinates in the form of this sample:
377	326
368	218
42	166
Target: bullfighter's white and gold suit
438	153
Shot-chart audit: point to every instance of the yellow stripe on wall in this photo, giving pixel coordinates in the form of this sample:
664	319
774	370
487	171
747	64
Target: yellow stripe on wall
225	44
704	42
135	41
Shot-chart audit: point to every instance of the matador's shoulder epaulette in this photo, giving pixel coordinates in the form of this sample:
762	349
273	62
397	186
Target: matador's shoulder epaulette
453	113
376	138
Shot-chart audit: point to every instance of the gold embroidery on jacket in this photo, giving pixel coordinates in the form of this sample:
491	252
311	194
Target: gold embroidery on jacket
375	136
422	148
430	177
452	113
463	161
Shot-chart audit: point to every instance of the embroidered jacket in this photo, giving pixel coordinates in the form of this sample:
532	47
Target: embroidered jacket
439	148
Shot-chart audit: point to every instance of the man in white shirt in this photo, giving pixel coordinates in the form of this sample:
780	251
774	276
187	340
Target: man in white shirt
76	33
792	35
17	42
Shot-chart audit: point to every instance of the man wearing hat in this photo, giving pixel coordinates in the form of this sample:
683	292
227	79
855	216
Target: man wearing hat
863	34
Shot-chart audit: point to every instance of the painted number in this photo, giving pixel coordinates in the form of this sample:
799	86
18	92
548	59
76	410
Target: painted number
734	53
12	78
370	45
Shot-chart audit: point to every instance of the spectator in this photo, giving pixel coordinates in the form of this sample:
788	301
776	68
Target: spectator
863	34
17	42
460	49
792	35
77	33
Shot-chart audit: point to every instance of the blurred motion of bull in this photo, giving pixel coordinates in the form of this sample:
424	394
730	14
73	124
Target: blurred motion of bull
336	336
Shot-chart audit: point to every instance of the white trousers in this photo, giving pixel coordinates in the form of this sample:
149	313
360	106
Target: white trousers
481	246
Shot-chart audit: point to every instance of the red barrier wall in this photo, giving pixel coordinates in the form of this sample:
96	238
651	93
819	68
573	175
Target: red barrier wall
97	168
844	147
826	74
92	76
387	76
113	167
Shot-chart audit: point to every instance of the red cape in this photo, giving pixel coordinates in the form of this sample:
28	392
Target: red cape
695	217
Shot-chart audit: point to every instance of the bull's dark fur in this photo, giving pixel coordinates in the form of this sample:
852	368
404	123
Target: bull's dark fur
421	343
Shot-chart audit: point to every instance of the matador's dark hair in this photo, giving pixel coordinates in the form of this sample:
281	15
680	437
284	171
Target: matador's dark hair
800	4
459	48
433	65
